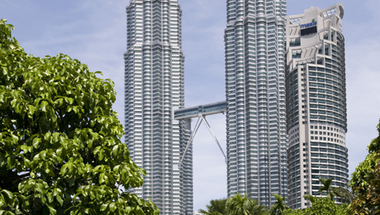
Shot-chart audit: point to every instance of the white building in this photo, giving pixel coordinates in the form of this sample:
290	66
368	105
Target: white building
316	102
255	96
154	88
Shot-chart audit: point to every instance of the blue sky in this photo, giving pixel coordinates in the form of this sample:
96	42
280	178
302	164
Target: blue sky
93	31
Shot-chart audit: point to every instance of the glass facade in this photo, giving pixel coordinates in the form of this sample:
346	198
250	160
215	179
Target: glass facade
154	88
316	102
255	98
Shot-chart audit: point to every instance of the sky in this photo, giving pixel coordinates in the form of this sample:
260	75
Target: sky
94	31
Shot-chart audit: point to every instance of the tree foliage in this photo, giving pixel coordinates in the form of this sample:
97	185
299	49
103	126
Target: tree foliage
320	206
327	186
235	205
279	206
216	207
331	191
243	205
60	148
365	181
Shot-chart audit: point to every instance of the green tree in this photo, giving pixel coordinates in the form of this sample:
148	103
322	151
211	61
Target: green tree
326	186
60	148
331	191
320	206
242	205
279	206
311	198
365	181
216	207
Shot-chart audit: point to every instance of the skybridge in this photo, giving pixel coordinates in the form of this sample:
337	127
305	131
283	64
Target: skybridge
204	110
201	112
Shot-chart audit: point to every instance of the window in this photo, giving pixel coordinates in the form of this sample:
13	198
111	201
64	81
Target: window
296	54
308	31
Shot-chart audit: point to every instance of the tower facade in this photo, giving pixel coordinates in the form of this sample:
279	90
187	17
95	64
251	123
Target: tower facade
154	88
255	97
316	102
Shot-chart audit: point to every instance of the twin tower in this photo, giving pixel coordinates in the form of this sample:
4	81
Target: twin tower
285	102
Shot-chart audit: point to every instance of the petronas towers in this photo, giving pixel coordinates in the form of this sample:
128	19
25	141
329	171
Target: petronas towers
256	120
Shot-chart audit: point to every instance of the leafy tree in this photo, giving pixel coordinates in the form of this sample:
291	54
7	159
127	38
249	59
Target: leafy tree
242	205
311	198
346	195
365	181
279	206
60	148
326	186
320	206
216	207
331	191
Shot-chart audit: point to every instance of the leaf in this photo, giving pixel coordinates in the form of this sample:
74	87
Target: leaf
101	178
65	168
56	136
31	111
43	106
59	199
50	197
112	207
101	154
92	195
36	142
52	210
39	188
115	151
8	195
103	207
59	152
11	161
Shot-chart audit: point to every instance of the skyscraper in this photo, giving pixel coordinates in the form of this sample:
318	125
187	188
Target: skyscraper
255	96
316	102
154	88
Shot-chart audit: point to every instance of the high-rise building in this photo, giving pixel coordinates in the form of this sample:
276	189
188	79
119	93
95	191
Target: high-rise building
154	88
255	96
316	102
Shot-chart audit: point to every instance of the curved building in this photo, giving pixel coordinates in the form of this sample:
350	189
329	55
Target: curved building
316	102
255	98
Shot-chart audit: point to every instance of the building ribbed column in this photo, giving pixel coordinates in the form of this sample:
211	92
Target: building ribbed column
154	88
255	95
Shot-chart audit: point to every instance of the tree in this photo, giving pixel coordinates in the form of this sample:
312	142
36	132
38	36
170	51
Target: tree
60	147
320	206
216	207
326	186
279	206
311	198
242	205
331	191
365	181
